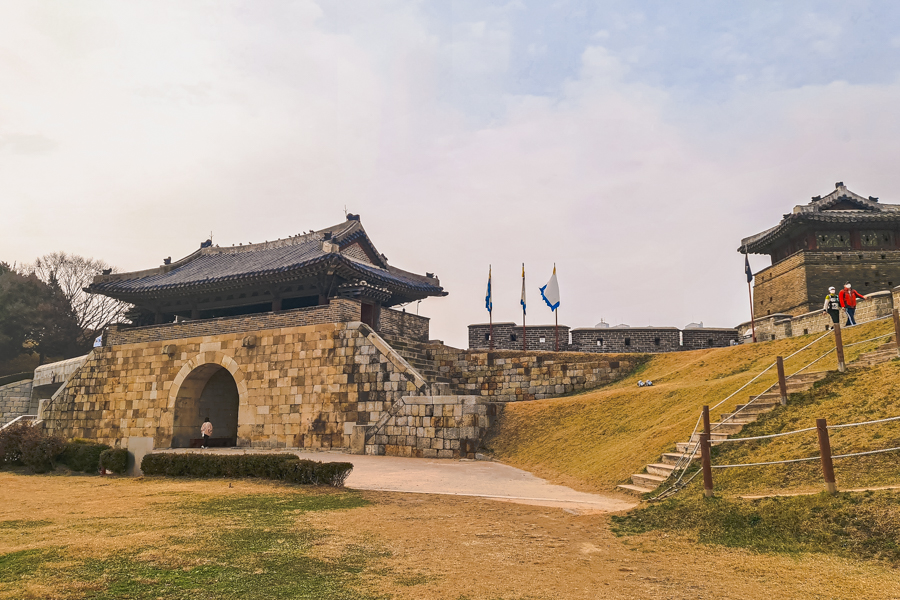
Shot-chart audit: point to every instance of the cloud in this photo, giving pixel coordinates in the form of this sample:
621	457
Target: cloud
263	120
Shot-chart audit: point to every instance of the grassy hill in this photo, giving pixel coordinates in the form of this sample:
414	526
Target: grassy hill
595	440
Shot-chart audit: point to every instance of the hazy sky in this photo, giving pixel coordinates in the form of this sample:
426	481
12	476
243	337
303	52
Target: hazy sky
632	143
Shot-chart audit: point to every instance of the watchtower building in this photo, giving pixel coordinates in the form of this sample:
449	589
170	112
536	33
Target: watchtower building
833	239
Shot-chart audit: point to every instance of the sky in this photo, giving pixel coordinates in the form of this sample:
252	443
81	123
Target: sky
632	144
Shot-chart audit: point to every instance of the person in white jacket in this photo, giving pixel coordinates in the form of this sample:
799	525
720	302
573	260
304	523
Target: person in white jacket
206	430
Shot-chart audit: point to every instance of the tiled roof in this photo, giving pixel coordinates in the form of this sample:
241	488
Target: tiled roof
833	208
215	268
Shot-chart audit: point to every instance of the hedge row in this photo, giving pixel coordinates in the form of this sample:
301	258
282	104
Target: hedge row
281	467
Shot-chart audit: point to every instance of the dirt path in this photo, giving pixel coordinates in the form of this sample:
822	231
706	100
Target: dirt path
482	479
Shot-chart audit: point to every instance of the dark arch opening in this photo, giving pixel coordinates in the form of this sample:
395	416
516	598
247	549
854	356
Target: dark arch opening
209	391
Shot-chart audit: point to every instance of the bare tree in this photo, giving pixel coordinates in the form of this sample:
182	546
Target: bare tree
73	273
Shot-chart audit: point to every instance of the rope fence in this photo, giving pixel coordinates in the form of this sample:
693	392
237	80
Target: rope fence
683	463
825	456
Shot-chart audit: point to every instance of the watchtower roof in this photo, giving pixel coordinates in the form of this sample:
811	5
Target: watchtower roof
840	207
342	250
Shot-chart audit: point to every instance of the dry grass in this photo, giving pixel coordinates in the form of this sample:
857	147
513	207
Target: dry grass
83	537
596	440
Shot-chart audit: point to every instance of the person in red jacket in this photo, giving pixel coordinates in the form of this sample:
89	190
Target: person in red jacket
847	298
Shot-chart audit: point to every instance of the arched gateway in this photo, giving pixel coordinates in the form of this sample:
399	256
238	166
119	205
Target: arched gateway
206	387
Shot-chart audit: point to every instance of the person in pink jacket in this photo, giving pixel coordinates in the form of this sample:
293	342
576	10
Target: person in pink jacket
847	298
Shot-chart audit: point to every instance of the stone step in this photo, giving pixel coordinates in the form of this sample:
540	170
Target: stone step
661	469
688	447
635	489
718	434
762	406
647	480
671	458
742	417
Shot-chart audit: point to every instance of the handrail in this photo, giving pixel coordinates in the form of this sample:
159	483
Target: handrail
19	418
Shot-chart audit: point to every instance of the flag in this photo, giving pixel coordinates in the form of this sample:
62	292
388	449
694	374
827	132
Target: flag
550	292
488	301
747	269
522	301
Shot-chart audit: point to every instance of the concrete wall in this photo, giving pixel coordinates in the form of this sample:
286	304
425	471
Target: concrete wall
510	376
15	401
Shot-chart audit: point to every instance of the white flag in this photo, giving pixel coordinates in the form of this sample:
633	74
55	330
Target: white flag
550	292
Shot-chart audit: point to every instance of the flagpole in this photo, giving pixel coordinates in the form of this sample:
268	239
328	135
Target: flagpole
557	330
752	318
524	334
491	329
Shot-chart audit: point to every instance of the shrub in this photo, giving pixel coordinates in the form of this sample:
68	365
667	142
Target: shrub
11	443
281	467
115	460
40	451
22	444
82	455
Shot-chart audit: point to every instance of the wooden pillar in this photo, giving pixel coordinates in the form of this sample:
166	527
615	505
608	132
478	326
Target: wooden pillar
707	465
782	382
839	346
706	426
276	303
897	329
825	453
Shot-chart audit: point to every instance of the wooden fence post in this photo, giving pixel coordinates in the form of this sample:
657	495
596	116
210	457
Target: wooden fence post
707	465
897	329
839	346
782	382
825	453
706	427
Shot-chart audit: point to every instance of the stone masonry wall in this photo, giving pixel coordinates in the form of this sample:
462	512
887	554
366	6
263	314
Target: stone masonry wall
504	332
404	324
708	337
15	401
338	310
435	427
626	339
304	386
510	376
798	284
776	327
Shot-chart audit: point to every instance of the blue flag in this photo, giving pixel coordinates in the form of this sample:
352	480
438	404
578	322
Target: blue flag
522	301
747	269
488	301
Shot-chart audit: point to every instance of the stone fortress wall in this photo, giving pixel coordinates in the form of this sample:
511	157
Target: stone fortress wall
780	326
507	336
797	285
291	382
15	401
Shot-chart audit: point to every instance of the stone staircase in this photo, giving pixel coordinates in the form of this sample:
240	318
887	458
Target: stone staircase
732	423
421	358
